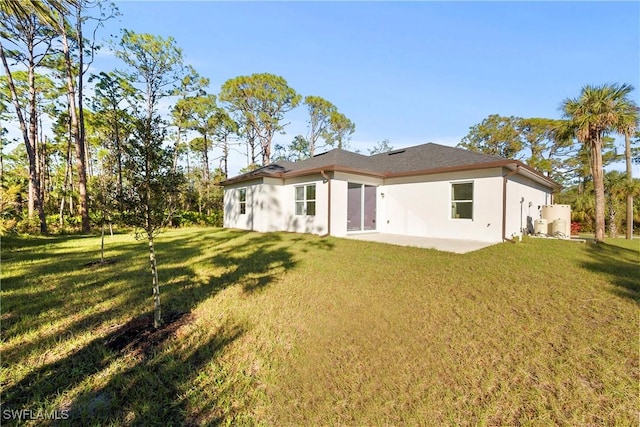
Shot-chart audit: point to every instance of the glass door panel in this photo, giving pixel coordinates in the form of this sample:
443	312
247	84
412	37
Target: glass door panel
369	219
354	207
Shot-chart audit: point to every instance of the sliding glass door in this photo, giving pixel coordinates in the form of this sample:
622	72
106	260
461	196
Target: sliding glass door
361	207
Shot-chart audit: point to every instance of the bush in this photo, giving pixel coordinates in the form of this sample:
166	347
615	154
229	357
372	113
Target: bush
189	218
575	228
28	226
8	226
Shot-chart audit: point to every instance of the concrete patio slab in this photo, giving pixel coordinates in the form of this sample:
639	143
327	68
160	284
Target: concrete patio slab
447	245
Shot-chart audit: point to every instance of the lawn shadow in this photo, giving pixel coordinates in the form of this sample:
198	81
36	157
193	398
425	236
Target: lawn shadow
251	260
621	265
152	392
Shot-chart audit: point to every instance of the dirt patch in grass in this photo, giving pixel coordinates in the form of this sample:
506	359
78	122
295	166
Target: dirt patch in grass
101	262
139	336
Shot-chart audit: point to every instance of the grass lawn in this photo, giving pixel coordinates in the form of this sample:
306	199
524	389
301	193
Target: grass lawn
289	329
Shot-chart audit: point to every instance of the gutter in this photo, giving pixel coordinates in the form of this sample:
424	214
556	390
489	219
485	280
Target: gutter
325	176
505	178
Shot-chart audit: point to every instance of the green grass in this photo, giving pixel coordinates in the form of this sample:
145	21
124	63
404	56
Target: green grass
291	329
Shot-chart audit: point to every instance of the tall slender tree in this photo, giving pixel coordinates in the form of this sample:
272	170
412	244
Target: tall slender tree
77	54
156	64
626	126
259	102
319	114
33	42
192	84
594	114
340	130
112	99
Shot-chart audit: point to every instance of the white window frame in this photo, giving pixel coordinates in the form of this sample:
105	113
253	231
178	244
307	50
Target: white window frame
242	201
305	202
454	202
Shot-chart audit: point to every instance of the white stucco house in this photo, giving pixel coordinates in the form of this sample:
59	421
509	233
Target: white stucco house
428	190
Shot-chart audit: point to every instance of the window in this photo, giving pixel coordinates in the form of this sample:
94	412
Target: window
462	200
306	200
242	195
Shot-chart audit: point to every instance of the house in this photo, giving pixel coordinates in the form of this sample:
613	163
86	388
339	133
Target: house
428	190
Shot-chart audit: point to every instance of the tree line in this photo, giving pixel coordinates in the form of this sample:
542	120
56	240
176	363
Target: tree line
106	130
574	151
82	169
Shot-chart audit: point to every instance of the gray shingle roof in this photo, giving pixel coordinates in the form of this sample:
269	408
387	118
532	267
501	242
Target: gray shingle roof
425	158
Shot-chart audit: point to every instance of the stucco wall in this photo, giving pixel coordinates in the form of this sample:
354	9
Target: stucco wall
421	206
271	206
522	192
418	206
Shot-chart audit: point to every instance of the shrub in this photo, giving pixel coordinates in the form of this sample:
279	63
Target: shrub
575	228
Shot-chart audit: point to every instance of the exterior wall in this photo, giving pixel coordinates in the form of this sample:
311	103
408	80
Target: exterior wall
232	216
421	206
270	206
525	199
315	224
416	206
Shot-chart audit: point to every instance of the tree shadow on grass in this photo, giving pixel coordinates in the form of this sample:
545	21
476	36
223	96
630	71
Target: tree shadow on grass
149	391
152	391
621	265
251	260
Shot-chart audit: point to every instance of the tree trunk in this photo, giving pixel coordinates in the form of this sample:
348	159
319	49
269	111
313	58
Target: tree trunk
627	155
35	203
225	157
613	226
205	160
157	314
76	134
174	165
598	184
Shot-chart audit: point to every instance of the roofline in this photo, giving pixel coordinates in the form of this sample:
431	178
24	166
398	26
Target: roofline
334	168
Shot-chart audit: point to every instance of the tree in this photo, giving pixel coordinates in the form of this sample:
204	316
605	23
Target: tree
74	66
626	126
191	84
157	65
225	127
549	142
319	114
496	135
615	192
594	114
44	11
200	115
33	42
381	147
112	118
298	149
259	102
340	130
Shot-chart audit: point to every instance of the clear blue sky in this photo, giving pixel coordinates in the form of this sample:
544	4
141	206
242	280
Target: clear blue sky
410	72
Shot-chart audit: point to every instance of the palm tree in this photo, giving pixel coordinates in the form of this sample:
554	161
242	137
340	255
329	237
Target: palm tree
615	187
44	10
595	113
627	125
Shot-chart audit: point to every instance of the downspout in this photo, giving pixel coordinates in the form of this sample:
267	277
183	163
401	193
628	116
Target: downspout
505	178
325	176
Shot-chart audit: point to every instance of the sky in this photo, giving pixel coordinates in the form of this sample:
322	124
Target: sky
409	72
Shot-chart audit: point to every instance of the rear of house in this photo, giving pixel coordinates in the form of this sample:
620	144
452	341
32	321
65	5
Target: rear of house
429	191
